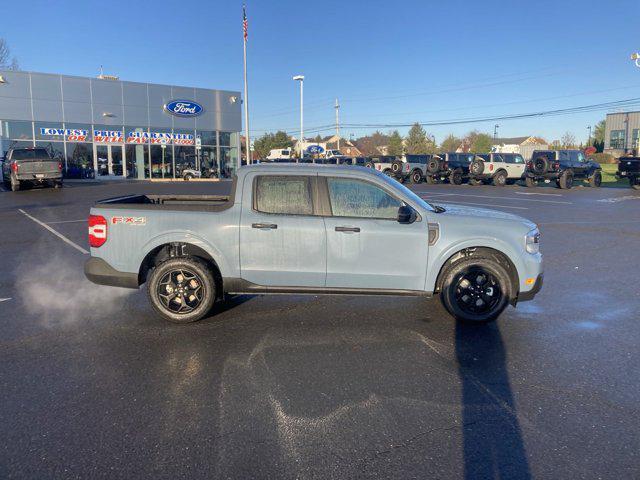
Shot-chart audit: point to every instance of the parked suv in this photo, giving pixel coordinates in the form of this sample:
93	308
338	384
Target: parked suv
629	168
498	168
563	166
30	166
454	167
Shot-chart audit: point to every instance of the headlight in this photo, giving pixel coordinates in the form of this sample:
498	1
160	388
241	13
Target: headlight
532	242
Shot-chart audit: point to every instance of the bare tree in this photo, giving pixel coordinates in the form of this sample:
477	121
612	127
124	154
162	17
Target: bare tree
568	140
6	61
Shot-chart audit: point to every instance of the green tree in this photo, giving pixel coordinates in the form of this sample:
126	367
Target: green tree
479	142
598	136
417	142
450	143
269	141
369	144
395	146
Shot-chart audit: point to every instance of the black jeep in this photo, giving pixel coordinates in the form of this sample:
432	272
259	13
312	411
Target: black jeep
456	166
629	168
563	166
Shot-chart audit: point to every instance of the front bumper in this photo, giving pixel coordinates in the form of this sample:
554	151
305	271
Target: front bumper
530	294
100	272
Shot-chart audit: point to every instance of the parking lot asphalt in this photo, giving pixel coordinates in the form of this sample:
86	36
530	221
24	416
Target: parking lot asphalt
93	385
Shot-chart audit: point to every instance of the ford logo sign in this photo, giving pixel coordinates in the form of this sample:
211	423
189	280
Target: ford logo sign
314	149
183	108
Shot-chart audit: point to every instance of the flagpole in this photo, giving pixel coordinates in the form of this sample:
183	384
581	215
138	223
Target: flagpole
246	89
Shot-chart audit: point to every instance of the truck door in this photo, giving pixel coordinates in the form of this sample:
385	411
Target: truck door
366	246
282	241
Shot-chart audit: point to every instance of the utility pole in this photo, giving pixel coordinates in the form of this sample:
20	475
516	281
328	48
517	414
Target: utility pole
337	107
300	78
589	140
495	131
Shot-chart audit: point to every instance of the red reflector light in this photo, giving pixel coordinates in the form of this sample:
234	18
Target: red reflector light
59	166
97	230
491	167
406	167
14	167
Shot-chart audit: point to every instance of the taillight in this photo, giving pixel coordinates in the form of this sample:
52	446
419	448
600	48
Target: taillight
377	167
491	167
530	164
14	167
406	167
59	166
97	230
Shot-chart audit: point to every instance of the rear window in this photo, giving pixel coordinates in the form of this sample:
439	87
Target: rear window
483	156
282	194
30	154
548	154
422	159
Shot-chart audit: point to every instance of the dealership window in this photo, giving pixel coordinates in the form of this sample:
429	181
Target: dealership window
225	139
79	160
185	158
207	137
635	138
16	130
617	139
114	131
208	161
161	161
49	131
226	166
137	164
76	131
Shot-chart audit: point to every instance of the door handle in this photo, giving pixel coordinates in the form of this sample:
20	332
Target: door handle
265	226
348	229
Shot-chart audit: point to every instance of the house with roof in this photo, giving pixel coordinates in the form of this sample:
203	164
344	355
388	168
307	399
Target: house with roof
525	146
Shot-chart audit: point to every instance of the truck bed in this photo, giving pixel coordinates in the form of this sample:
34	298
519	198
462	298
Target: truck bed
210	203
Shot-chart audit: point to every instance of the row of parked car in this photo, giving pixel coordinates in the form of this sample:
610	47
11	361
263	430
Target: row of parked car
560	166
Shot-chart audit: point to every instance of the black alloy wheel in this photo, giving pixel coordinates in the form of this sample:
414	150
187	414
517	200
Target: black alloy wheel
181	291
477	291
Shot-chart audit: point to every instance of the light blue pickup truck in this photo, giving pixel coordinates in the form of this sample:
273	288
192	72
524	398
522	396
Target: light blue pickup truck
312	229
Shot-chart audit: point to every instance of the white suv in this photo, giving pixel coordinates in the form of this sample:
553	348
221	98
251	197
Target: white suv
498	168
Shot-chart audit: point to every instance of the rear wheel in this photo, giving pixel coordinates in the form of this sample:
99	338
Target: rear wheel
182	290
500	179
530	182
15	184
416	176
476	289
595	180
565	181
188	176
635	183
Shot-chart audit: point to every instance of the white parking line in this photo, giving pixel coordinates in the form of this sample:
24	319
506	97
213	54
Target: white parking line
510	198
56	233
536	193
488	205
4	299
67	221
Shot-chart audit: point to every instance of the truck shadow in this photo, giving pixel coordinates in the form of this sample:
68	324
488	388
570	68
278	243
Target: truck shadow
492	439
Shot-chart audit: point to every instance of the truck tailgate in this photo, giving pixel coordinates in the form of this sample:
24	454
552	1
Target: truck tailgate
38	166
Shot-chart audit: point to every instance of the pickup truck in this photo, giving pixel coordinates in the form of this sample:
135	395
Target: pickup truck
629	168
30	165
312	229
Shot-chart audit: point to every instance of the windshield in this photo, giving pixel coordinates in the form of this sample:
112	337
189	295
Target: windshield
405	191
30	154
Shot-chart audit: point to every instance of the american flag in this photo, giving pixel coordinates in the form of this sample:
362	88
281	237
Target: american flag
245	23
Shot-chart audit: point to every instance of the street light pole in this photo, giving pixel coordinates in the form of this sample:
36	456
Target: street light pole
589	140
300	78
495	131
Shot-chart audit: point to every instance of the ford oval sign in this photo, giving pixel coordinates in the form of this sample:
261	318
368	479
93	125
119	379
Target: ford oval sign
314	149
183	108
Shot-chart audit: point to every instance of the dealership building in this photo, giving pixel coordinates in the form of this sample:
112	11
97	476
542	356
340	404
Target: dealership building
106	128
622	133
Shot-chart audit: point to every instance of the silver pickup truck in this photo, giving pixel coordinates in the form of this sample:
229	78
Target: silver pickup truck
312	229
30	165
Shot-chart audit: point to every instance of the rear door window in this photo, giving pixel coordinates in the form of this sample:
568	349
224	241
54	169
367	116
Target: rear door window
356	198
283	195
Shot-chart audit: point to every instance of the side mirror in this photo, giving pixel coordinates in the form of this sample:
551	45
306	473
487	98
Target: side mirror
406	214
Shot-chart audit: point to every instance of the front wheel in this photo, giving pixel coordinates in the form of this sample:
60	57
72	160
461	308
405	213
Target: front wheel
476	290
635	183
181	290
15	184
595	180
565	181
188	177
455	178
500	179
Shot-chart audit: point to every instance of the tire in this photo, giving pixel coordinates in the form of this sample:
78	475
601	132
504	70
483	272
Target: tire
396	166
475	181
565	182
416	176
540	165
15	184
170	271
595	180
188	177
433	165
634	184
57	185
530	182
477	167
430	180
388	172
455	178
500	179
476	289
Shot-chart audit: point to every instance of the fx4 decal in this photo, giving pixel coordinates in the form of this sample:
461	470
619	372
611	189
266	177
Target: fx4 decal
129	220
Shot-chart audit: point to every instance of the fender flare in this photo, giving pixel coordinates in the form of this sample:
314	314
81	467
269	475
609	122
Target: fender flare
185	237
436	264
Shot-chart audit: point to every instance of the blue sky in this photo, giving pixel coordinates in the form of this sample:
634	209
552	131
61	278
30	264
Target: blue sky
386	62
